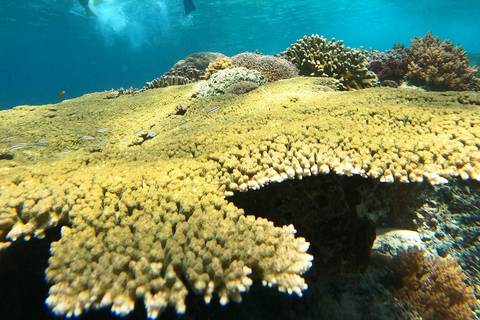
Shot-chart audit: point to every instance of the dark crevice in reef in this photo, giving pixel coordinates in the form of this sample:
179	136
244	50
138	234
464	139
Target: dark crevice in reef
22	278
338	215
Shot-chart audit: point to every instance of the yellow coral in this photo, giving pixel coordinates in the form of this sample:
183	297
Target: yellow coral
147	209
219	64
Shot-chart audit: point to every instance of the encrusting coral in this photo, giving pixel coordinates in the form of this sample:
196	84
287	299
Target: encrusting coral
222	80
242	87
273	68
150	220
440	65
318	57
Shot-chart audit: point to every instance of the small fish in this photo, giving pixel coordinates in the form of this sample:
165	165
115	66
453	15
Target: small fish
184	122
212	110
126	140
102	130
87	138
14	148
39	145
9	139
150	134
76	133
138	131
42	141
102	142
60	95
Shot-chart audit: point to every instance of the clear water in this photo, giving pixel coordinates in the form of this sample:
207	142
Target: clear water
47	46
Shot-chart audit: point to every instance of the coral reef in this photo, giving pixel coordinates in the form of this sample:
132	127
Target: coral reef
439	66
273	68
435	287
242	87
223	79
392	69
316	56
150	220
178	76
219	64
198	60
448	221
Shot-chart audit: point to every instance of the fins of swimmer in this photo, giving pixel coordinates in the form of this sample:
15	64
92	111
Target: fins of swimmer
189	6
89	6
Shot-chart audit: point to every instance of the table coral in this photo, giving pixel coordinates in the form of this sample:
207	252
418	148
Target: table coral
149	218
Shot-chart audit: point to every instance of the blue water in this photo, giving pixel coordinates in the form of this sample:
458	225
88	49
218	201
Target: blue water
47	46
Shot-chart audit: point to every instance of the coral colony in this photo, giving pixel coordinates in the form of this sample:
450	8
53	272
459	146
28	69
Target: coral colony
140	184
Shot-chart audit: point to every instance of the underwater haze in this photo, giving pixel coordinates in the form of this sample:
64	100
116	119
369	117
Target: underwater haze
49	46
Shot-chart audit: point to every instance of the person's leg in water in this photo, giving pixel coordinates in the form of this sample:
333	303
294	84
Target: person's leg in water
89	6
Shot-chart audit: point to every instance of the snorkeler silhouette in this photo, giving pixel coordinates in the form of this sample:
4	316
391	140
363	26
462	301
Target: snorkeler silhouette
90	10
189	6
89	6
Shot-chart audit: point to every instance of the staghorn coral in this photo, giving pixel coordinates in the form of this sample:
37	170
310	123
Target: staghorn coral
273	68
435	287
150	220
439	65
316	56
219	64
221	80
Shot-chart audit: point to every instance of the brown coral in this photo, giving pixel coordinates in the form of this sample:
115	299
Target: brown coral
435	287
274	68
219	64
439	65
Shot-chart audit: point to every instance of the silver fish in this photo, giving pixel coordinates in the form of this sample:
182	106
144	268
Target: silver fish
14	148
212	110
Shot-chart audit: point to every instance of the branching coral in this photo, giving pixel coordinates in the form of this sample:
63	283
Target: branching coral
273	68
439	65
219	64
147	221
392	69
316	56
435	287
177	76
